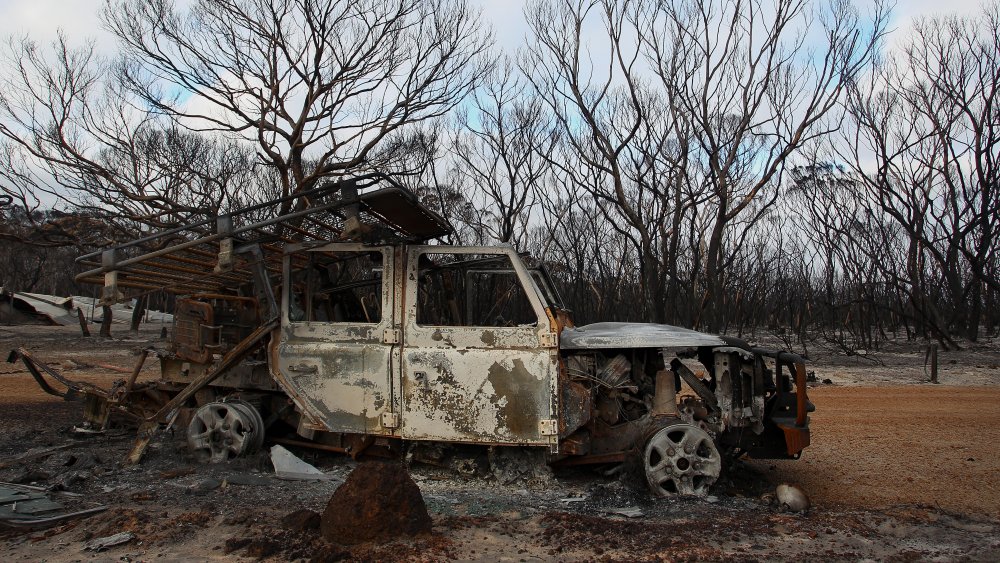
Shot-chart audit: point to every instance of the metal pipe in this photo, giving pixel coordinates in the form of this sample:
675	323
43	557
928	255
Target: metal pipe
328	187
665	395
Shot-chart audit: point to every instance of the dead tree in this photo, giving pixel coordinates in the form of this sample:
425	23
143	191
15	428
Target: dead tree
72	131
306	89
622	137
736	94
929	123
502	145
317	88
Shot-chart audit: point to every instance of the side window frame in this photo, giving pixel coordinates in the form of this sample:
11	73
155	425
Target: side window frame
523	277
385	287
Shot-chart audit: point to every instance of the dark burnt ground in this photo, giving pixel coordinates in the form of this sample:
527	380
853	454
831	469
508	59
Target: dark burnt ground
180	510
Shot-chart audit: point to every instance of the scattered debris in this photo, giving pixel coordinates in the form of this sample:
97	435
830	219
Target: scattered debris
34	453
41	309
246	479
378	501
288	466
791	498
204	486
31	475
302	519
114	368
22	506
100	544
573	499
174	473
627	512
67	480
84	429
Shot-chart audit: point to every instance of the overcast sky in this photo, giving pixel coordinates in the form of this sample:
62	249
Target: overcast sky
40	19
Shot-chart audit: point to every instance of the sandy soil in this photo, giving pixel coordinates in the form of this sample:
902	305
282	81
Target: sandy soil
897	470
876	447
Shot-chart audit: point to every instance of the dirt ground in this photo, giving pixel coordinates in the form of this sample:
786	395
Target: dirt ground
898	470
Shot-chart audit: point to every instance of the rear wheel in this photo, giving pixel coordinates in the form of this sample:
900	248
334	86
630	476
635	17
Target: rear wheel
220	431
681	459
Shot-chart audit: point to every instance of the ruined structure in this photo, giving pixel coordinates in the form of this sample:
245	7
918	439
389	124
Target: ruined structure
334	324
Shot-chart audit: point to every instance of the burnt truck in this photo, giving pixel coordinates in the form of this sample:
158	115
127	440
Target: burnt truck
327	320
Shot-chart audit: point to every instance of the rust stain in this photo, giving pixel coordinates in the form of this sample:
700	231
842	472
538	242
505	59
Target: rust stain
519	387
489	338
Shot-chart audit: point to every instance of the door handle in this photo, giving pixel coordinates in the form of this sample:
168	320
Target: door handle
303	368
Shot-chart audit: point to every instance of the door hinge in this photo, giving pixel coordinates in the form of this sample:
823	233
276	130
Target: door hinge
548	427
392	336
390	420
548	340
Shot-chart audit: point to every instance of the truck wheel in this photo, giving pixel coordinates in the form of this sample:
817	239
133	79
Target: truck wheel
220	431
681	459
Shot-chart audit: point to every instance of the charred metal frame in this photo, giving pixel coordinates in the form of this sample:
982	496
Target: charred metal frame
359	386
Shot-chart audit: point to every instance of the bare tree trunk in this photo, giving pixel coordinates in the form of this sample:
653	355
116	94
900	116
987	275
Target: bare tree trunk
138	312
106	321
975	311
83	322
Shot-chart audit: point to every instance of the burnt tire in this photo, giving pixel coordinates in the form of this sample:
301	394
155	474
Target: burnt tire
681	459
219	432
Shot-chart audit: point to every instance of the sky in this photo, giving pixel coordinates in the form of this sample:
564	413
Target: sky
79	19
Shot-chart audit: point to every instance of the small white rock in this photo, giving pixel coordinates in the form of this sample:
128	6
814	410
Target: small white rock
792	498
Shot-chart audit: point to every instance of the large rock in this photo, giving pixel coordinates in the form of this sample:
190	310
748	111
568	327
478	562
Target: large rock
378	502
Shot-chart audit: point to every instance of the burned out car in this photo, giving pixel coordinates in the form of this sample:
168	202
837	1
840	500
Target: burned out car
338	327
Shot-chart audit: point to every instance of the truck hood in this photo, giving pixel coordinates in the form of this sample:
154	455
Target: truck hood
634	335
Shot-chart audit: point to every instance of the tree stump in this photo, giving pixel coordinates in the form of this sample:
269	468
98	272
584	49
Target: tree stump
106	321
378	502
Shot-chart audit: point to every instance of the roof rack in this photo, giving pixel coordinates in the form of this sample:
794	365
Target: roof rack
226	253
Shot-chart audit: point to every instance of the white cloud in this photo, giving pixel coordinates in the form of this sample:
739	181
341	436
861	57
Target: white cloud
40	20
80	19
507	16
507	19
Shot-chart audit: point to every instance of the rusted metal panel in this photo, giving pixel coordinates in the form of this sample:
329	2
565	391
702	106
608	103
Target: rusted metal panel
476	395
403	211
796	438
634	335
340	373
575	406
191	321
477	384
346	383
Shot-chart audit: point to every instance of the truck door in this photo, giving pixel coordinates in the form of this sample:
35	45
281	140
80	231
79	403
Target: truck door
335	354
479	357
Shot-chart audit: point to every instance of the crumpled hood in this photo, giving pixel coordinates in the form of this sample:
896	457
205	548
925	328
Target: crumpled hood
634	335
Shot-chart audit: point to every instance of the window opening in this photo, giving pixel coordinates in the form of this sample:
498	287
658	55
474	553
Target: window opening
471	290
336	287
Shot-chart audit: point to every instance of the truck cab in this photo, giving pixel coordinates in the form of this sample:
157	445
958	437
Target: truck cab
471	345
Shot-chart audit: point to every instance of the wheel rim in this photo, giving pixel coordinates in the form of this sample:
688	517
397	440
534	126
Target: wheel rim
681	460
220	431
256	423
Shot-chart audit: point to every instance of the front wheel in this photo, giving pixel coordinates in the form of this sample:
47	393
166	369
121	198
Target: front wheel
681	460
